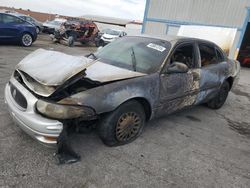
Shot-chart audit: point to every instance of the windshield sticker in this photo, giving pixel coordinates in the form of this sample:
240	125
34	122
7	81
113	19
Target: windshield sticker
156	47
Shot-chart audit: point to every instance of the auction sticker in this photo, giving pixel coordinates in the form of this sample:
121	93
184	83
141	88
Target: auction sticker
156	47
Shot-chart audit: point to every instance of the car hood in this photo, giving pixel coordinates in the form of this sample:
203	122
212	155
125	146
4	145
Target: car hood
44	71
110	36
51	25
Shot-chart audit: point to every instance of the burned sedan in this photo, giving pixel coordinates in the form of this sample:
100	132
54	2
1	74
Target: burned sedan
118	88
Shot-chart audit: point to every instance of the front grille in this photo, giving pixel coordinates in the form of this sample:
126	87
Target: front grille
18	96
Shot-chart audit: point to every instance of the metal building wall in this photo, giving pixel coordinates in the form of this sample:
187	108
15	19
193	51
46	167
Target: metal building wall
229	13
166	16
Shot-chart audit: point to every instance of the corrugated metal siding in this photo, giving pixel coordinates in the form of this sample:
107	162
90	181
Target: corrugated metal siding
213	12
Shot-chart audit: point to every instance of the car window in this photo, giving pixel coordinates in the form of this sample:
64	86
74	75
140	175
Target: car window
143	54
30	19
184	54
208	55
220	56
10	19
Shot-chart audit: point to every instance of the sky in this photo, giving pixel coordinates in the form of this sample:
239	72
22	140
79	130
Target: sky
127	9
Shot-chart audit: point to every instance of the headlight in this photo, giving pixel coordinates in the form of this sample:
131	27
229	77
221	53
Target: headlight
64	111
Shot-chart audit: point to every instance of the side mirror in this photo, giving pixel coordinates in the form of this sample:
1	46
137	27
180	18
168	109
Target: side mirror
177	67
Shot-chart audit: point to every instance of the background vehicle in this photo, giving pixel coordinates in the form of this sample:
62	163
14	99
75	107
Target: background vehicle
15	29
76	31
50	26
39	25
120	87
109	35
244	57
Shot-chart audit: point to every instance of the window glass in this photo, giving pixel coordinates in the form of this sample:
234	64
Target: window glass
208	55
184	54
1	20
11	19
219	56
135	53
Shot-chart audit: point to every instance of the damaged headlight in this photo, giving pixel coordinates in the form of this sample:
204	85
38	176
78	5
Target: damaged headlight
64	111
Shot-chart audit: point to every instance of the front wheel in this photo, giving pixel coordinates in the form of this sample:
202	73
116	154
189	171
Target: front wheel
218	101
26	40
123	125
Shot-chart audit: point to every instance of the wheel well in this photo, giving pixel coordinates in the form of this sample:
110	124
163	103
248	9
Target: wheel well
146	105
230	81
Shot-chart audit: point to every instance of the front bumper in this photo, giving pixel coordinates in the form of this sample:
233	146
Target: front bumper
42	129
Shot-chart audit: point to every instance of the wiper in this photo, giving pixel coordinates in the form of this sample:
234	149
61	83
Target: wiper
93	55
133	59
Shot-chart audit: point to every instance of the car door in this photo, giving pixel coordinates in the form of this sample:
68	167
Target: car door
179	90
213	69
10	26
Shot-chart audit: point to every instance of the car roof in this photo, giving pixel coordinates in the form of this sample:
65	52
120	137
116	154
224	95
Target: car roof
174	39
18	14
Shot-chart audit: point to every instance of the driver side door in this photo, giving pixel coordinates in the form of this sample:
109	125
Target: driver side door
179	90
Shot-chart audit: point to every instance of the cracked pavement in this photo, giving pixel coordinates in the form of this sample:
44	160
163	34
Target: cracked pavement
198	147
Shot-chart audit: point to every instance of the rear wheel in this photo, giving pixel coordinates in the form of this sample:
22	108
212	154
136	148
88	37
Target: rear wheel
37	30
123	125
26	40
218	101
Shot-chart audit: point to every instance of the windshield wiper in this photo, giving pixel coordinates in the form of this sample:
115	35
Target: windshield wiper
93	55
133	59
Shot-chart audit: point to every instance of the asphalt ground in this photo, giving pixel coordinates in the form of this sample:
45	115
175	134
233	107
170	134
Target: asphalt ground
198	147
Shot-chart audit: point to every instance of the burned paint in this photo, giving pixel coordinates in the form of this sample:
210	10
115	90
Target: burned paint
105	87
42	66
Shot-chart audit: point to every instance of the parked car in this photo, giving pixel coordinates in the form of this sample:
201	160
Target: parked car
244	57
15	29
39	25
109	35
50	26
120	87
76	31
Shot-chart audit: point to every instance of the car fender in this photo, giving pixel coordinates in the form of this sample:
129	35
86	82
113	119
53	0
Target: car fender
108	97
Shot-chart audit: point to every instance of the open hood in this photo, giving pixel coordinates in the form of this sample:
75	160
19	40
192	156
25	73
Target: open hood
43	71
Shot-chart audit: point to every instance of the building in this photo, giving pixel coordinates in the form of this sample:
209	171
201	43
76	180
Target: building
167	16
40	16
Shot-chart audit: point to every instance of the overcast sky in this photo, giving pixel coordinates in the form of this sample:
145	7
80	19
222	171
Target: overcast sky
131	9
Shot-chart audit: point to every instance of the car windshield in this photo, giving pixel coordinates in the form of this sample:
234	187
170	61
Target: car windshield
135	53
112	32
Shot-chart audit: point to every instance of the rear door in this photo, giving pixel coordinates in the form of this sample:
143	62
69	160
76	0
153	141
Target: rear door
179	90
213	70
9	26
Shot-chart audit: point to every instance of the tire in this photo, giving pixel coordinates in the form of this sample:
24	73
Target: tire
123	125
97	44
38	30
26	40
218	101
71	41
101	43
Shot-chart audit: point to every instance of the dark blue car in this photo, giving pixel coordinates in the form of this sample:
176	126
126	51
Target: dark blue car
14	29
